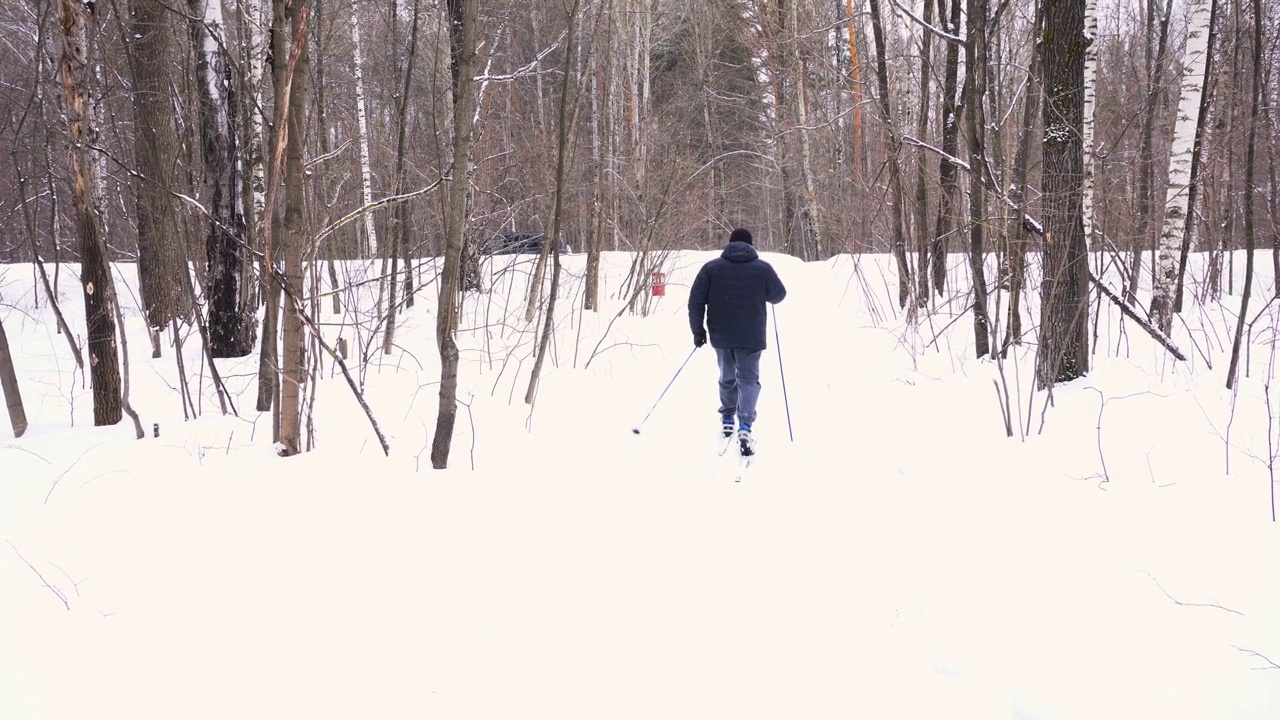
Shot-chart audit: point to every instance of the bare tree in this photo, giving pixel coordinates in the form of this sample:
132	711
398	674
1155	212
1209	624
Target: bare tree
293	361
1063	352
95	275
1146	159
232	325
1186	130
1189	224
149	48
896	194
950	121
400	216
1250	210
975	54
9	384
462	64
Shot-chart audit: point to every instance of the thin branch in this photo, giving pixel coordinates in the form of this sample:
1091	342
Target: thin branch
1176	601
46	583
927	26
1273	665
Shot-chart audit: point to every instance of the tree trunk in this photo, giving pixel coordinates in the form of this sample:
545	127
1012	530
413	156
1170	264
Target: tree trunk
1063	353
400	217
810	217
149	51
1190	225
922	164
255	188
462	63
293	360
896	194
232	327
1018	192
1185	131
567	110
975	101
1146	161
950	142
855	83
371	248
1250	211
1090	106
95	274
9	384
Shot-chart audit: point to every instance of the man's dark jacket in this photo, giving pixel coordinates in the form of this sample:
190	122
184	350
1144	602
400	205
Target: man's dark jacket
732	291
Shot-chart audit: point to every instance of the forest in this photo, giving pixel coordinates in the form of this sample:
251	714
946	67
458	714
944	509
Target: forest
259	161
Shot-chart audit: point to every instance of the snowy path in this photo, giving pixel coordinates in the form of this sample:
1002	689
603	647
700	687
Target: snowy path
895	562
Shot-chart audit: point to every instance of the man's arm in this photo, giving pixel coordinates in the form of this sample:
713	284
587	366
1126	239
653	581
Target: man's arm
698	301
774	290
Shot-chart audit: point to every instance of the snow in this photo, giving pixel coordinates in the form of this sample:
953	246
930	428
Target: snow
901	558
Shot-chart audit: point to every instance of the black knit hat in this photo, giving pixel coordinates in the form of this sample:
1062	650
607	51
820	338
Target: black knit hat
740	235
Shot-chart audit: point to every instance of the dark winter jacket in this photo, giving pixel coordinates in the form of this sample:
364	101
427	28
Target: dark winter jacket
732	291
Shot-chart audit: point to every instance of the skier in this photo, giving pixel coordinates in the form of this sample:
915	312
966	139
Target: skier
731	291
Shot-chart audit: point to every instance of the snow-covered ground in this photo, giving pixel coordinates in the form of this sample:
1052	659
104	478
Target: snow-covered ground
900	558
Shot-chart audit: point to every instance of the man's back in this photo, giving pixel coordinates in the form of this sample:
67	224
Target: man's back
732	291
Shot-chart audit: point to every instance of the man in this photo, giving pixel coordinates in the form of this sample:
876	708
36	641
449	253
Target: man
731	291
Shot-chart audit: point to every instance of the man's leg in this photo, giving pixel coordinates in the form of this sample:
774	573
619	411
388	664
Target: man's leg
728	382
748	385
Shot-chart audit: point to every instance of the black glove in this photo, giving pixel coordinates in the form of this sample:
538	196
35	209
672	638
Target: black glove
699	339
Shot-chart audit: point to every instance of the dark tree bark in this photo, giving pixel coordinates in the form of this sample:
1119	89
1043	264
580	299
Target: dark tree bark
975	58
922	190
149	51
896	194
1018	194
231	322
462	64
9	384
95	274
1063	354
293	360
950	142
1146	161
400	217
1250	211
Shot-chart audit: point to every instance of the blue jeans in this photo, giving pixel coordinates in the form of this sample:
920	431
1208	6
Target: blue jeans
739	383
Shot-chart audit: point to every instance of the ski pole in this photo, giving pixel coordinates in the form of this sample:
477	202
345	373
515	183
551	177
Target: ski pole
636	429
785	403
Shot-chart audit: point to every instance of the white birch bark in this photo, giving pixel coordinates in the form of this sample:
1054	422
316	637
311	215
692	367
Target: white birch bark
1090	102
256	30
362	124
1184	133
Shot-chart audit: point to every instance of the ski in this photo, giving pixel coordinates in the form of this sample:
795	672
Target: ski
725	444
744	463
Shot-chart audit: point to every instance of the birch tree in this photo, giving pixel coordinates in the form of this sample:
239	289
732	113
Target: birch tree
232	325
1186	131
95	274
362	129
1087	121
